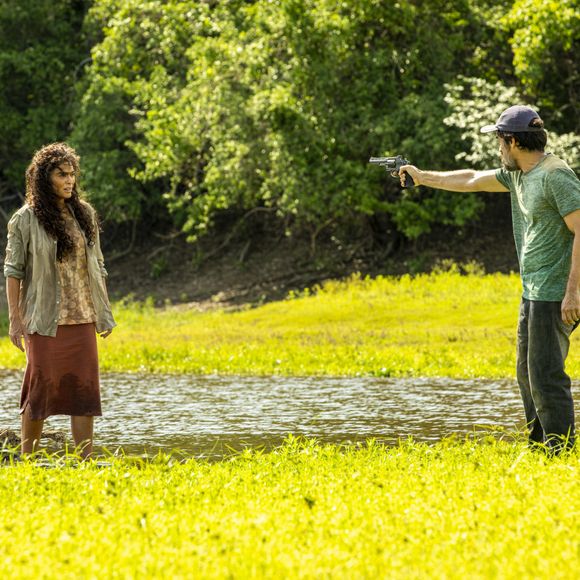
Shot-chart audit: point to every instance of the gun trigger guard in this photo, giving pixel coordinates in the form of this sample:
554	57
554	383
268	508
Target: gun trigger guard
394	173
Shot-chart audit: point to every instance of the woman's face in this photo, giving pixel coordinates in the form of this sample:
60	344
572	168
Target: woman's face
63	179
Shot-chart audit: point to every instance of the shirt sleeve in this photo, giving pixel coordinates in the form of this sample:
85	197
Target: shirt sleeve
16	248
504	177
100	259
563	190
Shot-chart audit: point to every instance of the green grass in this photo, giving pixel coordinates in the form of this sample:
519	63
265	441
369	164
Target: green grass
486	509
442	324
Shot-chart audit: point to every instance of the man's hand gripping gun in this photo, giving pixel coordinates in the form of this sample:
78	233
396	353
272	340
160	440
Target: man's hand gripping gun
392	165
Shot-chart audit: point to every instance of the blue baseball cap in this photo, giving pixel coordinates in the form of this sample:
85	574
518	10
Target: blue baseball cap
516	119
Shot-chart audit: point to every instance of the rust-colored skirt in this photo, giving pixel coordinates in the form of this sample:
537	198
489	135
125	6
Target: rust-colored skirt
62	374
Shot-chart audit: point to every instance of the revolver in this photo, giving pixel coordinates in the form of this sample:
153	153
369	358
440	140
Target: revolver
392	165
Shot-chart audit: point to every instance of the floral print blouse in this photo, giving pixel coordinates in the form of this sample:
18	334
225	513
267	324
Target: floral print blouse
76	304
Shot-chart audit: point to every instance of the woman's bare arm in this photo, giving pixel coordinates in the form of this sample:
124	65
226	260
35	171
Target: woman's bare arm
16	330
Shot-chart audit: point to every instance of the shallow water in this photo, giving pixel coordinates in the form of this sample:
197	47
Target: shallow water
209	416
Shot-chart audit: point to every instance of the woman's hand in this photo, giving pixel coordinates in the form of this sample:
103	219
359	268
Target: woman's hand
16	332
106	333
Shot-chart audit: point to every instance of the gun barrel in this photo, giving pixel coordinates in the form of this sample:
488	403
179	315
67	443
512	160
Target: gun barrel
393	165
387	161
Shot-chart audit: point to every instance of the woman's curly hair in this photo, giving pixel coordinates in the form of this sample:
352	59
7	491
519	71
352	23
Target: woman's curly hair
41	198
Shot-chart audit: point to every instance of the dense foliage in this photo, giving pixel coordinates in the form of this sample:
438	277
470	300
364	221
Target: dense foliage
41	58
200	109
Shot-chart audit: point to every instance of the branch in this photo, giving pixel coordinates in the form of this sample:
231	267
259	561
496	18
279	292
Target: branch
129	248
235	229
315	234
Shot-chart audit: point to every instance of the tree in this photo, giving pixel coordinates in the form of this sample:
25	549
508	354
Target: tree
273	106
41	55
473	100
545	38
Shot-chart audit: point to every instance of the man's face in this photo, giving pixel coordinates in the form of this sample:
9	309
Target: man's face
505	153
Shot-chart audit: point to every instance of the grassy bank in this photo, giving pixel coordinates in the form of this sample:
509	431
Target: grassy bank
453	510
442	324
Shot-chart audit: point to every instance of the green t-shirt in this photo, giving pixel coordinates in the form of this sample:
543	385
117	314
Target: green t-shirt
541	198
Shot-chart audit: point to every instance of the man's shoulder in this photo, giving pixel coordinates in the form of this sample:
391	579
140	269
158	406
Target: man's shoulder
507	178
559	176
552	164
560	184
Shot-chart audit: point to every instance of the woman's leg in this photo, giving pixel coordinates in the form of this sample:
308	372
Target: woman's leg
31	433
82	432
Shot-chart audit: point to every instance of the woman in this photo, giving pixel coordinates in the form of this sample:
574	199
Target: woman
57	298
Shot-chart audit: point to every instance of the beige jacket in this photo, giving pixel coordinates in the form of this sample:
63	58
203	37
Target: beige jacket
31	258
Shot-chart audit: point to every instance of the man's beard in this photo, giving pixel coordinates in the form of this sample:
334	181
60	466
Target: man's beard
510	165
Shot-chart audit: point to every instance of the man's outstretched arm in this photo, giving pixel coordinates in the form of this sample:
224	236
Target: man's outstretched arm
460	180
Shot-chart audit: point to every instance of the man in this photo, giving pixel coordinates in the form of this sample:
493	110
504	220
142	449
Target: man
545	199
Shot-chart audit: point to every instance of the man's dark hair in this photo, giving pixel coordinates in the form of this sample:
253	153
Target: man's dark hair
528	140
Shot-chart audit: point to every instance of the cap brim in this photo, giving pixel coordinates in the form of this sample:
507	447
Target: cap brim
488	129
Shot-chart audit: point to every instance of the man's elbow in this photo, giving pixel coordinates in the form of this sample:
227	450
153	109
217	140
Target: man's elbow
473	184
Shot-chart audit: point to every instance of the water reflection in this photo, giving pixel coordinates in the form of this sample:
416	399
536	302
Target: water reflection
208	416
